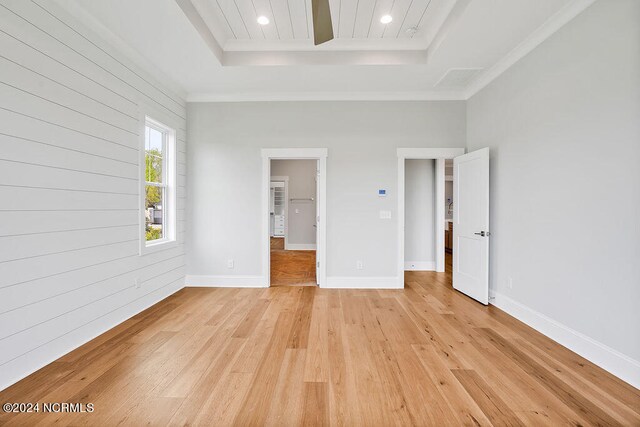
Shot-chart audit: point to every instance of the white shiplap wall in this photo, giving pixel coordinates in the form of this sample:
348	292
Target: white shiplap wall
70	109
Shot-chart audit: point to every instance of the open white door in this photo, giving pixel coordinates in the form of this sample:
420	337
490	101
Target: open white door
471	224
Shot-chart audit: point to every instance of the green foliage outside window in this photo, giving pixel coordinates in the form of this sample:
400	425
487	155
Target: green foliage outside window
153	173
153	233
153	160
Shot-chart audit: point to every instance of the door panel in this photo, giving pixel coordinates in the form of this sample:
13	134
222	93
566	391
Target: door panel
471	224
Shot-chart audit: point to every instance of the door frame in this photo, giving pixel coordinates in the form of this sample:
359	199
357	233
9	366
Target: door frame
440	155
319	154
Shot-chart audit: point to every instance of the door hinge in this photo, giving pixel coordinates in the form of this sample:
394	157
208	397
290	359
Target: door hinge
318	264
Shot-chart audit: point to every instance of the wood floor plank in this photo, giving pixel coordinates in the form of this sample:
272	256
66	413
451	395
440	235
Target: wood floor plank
610	404
570	397
467	410
256	405
516	387
493	407
288	404
342	387
300	332
251	319
316	367
424	355
225	401
316	407
199	394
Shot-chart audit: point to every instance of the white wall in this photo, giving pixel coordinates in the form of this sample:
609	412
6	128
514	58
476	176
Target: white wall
419	226
224	146
69	222
563	125
301	219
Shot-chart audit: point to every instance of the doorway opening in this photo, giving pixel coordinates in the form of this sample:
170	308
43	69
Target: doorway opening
469	263
420	215
293	222
449	206
422	211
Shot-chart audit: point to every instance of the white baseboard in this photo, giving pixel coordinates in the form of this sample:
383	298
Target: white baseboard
620	365
300	247
419	266
23	366
225	281
350	282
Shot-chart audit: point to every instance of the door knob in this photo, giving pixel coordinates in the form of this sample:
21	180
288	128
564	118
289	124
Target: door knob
483	233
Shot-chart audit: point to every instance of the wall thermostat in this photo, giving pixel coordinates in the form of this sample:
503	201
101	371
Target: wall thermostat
382	193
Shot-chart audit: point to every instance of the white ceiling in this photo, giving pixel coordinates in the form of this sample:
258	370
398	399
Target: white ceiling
356	23
462	44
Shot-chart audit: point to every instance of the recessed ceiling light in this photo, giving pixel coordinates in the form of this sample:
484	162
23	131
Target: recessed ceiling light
386	19
263	20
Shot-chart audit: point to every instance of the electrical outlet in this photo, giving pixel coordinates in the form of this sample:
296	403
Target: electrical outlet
230	263
359	265
510	282
136	283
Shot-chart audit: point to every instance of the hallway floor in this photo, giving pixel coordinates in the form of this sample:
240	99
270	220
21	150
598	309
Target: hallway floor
291	268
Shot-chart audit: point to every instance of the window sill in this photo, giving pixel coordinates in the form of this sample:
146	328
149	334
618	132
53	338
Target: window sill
157	246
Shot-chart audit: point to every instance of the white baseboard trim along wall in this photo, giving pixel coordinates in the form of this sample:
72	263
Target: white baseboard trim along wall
419	266
30	362
350	282
194	281
300	246
605	357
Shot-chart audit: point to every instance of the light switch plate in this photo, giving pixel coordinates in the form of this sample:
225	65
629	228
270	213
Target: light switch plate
385	214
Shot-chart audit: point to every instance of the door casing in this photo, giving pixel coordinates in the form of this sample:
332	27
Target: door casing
424	154
319	154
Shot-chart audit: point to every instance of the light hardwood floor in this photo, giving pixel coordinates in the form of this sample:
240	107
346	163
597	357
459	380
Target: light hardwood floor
287	356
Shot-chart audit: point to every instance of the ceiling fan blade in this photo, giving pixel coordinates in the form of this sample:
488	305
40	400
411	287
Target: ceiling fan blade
322	26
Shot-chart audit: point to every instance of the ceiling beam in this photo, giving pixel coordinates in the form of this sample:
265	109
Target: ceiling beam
325	57
201	27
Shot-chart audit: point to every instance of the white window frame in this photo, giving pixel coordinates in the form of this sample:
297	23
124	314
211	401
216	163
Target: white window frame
169	172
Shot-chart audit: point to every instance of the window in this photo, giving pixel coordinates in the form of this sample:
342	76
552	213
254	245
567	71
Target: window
158	206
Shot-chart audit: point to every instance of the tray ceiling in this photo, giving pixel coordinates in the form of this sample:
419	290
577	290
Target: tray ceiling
233	33
356	23
460	46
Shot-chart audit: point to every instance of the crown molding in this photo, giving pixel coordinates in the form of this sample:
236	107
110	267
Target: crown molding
546	30
326	96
